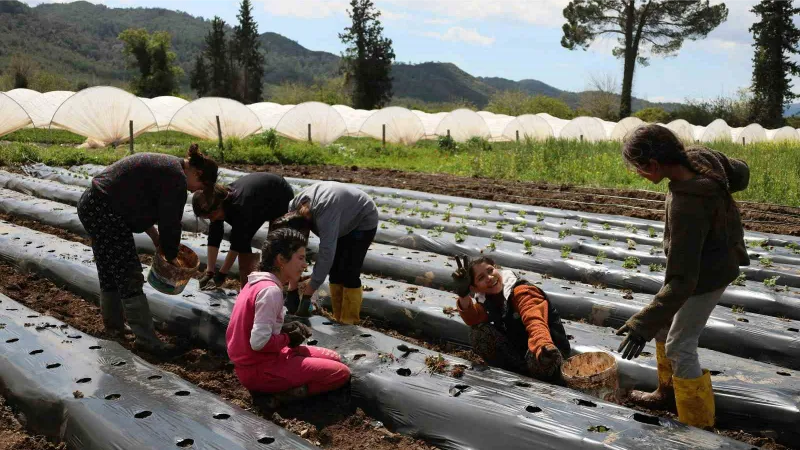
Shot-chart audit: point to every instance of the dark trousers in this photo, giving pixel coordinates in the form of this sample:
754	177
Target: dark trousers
118	266
351	250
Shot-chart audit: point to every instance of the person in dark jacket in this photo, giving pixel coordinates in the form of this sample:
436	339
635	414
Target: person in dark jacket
704	243
512	323
134	195
245	205
345	219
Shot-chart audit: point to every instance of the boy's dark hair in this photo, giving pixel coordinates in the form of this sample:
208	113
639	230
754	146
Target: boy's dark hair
475	262
284	242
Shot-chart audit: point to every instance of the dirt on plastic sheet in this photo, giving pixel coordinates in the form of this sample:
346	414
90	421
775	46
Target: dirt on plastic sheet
763	217
329	421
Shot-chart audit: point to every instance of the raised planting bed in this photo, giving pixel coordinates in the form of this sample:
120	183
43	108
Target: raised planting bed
392	383
94	394
203	316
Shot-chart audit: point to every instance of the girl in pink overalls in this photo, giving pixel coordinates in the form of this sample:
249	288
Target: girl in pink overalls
266	352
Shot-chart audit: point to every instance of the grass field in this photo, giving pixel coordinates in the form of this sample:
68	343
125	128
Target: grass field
775	167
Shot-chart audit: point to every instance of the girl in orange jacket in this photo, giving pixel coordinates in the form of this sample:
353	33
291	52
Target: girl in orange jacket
513	325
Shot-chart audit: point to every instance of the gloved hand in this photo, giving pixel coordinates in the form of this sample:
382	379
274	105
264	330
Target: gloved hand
461	276
633	344
208	276
298	334
216	281
294	325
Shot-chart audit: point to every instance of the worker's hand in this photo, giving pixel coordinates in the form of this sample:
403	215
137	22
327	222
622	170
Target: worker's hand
216	281
464	302
295	325
208	276
297	335
461	276
633	344
306	290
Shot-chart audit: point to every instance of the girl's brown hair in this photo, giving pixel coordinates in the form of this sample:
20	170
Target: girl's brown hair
284	242
206	202
475	262
204	164
654	142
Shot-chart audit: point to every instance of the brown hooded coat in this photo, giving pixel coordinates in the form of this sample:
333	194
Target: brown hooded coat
703	237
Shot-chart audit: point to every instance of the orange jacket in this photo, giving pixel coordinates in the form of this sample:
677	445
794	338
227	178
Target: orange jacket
529	301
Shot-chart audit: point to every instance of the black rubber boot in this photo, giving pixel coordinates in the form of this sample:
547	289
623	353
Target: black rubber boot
137	312
112	313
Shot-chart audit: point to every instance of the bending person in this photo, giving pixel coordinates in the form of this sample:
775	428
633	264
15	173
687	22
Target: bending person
345	219
132	196
704	243
246	205
513	324
266	352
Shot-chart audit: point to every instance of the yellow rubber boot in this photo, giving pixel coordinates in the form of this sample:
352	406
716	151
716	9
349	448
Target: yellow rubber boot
337	298
664	367
694	398
663	397
351	306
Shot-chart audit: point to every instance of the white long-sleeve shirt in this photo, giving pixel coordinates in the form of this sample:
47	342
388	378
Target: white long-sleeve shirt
269	310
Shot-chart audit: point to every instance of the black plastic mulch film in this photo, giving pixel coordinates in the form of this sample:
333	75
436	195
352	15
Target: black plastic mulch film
745	335
94	394
390	379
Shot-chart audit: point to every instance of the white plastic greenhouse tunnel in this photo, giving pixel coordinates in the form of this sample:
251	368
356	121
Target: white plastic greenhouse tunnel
42	108
429	121
716	131
353	118
588	129
400	126
749	135
683	129
269	114
556	124
23	96
103	115
199	119
783	134
164	108
316	121
463	124
624	128
528	126
12	116
497	123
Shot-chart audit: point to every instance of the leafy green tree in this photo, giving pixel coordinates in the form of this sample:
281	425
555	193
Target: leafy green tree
367	62
653	115
151	54
248	54
776	40
216	53
654	27
517	103
198	77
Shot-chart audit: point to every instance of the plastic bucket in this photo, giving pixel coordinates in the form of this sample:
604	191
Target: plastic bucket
594	373
169	279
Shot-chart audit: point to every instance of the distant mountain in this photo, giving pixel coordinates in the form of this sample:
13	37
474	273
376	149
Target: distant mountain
79	41
792	110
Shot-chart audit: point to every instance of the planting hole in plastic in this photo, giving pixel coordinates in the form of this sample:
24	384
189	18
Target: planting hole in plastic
327	323
581	402
143	414
312	342
113	396
95	347
12	340
75	336
456	390
222	416
742	319
533	409
184	442
599	429
84	380
366	335
53	366
784	374
266	440
359	356
36	352
522	384
646	354
119	363
644	418
715	372
795	330
32	316
214	305
154	377
182	393
404	372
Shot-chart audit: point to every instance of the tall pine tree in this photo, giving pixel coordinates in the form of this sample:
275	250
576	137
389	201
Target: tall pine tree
248	54
198	77
216	53
367	62
776	39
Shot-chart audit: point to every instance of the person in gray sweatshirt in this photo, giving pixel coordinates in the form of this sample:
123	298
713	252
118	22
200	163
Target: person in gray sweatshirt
345	219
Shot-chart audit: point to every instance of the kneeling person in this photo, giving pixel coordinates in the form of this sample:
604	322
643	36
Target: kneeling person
266	352
513	324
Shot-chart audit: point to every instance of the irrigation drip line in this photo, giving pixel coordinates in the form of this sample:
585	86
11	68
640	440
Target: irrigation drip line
94	394
391	379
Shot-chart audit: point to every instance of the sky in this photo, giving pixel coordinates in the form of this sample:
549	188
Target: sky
514	39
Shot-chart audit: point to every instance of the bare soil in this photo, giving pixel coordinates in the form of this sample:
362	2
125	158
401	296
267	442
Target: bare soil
767	218
14	437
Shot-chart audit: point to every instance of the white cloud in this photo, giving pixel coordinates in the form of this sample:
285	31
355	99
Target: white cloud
437	21
458	34
306	9
387	15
